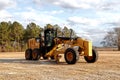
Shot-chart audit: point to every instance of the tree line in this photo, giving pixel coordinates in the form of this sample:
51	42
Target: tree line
14	36
112	38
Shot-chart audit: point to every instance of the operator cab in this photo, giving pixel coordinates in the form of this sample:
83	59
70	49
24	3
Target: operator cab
48	39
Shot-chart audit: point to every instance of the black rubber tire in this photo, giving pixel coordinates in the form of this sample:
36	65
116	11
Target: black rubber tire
28	54
73	53
93	58
35	54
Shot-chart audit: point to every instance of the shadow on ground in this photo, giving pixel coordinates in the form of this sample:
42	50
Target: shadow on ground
37	62
23	61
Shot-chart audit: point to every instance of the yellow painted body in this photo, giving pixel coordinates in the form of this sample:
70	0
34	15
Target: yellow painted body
88	48
33	43
85	45
61	46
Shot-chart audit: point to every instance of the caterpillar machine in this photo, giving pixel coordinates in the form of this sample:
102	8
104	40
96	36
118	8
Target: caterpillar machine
51	46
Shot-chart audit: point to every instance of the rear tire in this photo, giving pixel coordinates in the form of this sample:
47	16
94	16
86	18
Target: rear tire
93	58
71	56
28	54
35	54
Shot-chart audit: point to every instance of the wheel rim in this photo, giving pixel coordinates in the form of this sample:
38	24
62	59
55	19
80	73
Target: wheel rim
69	56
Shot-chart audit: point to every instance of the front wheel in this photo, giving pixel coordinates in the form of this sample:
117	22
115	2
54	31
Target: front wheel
71	56
93	58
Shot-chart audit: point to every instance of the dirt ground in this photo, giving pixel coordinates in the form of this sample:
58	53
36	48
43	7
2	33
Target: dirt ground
13	66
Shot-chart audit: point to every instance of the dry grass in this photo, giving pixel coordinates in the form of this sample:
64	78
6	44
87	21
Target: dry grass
13	66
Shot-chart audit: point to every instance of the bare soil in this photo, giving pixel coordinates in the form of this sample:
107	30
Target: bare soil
13	66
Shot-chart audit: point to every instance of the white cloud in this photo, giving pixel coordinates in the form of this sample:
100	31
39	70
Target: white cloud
7	4
82	4
5	15
103	20
110	5
83	21
110	16
54	12
41	18
89	28
112	19
71	4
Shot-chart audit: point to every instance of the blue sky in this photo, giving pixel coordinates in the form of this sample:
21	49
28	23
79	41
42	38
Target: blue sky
91	19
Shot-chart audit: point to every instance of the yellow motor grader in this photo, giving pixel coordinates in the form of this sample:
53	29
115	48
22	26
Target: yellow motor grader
51	46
